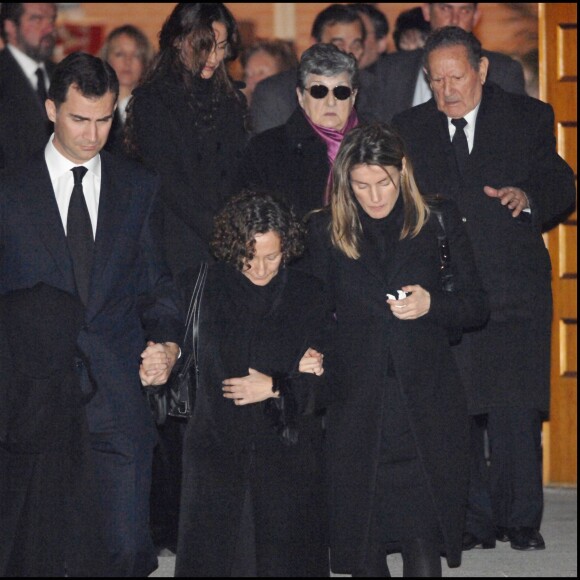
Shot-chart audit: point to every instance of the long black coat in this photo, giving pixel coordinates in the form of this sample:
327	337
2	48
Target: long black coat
507	362
197	164
229	449
423	362
289	161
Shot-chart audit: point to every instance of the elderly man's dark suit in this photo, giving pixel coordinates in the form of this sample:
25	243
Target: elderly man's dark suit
505	365
396	75
90	371
24	126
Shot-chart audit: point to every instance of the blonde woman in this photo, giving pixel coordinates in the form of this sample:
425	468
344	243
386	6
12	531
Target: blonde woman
398	430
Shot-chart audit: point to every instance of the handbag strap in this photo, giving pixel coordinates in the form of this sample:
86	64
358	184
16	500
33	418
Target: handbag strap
193	317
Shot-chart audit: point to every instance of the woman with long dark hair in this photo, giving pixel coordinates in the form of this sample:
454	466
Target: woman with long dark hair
187	121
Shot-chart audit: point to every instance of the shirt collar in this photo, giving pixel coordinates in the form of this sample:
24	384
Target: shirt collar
27	64
470	117
58	165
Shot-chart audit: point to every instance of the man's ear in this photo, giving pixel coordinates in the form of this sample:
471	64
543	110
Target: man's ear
50	109
483	68
426	9
10	30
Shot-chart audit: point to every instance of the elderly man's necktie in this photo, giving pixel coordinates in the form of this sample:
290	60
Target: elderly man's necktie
459	143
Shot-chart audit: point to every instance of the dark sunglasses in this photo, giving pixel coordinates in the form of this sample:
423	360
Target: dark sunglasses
320	91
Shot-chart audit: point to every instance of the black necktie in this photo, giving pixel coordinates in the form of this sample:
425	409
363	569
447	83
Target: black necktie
459	142
79	232
41	86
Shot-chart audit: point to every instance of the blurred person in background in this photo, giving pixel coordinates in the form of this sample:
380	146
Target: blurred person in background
411	30
129	52
265	58
531	64
29	34
377	31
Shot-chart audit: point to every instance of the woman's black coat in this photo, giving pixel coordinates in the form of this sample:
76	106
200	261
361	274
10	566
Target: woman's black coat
198	164
229	449
424	365
289	161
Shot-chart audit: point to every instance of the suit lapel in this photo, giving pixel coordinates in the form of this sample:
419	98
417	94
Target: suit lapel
45	218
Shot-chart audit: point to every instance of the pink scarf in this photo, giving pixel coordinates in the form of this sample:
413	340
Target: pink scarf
333	139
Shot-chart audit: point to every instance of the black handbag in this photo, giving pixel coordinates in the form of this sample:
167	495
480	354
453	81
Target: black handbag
181	392
446	278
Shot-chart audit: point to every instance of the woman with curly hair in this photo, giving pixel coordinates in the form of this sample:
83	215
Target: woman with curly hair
187	122
253	501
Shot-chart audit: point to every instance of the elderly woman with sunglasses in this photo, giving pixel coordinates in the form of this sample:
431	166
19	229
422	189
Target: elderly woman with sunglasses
295	159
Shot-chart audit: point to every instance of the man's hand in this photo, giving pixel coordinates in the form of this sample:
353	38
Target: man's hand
157	361
512	197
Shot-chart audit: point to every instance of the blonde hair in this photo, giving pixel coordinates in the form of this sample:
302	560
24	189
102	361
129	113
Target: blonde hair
377	144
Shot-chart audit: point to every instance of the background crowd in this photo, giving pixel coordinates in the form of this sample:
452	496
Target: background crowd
349	397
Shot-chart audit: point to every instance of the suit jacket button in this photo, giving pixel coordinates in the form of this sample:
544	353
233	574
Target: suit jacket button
463	219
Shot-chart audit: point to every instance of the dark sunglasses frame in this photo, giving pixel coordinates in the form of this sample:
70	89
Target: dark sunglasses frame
340	92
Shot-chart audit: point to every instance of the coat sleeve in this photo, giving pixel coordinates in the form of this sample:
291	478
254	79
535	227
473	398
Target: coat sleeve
467	306
550	186
156	133
158	302
304	393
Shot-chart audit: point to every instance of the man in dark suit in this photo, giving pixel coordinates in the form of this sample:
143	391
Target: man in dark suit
494	154
274	98
29	34
377	34
87	309
399	82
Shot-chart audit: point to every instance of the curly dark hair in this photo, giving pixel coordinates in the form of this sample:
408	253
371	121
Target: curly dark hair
250	213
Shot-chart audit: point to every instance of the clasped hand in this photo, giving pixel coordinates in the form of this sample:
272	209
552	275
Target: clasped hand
157	362
256	386
414	306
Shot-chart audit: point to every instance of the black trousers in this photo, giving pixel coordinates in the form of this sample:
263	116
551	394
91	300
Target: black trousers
506	488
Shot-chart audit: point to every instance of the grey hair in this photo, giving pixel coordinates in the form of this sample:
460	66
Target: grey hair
328	61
